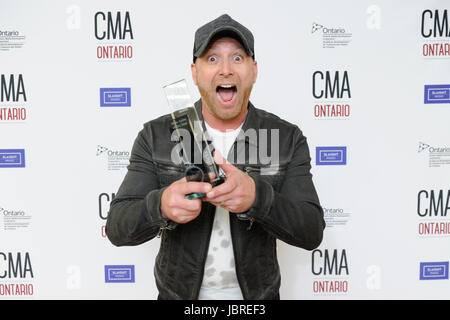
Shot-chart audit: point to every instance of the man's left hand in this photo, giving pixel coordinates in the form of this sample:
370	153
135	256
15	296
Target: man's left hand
237	194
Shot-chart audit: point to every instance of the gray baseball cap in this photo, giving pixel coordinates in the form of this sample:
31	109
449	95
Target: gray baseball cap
223	26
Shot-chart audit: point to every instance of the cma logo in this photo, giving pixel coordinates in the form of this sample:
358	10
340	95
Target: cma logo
109	26
12	89
104	201
329	263
328	85
433	203
435	24
15	265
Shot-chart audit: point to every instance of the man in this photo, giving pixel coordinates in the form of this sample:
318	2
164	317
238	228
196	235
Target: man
224	245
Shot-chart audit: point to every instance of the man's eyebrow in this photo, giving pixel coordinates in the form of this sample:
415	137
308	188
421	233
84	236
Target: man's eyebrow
210	52
239	49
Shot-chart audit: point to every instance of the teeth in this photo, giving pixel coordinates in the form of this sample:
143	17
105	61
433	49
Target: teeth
227	86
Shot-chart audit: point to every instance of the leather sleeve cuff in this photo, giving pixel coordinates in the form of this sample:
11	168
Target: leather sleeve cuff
263	199
153	200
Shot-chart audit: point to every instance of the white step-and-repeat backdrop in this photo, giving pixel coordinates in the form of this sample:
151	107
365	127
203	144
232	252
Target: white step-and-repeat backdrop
368	82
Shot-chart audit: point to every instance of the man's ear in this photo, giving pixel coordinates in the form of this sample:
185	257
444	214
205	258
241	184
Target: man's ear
194	72
255	68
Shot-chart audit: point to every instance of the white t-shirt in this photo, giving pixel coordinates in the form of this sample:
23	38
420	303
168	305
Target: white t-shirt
219	279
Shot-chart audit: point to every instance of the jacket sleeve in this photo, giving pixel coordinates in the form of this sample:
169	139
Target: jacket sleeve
135	216
294	214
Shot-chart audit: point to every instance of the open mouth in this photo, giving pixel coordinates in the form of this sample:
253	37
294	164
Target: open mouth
226	93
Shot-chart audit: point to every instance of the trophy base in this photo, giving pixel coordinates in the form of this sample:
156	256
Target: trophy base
197	195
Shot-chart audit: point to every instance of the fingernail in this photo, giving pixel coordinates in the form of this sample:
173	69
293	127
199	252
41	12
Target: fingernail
210	194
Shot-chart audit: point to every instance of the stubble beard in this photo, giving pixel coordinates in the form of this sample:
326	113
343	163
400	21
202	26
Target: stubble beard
218	111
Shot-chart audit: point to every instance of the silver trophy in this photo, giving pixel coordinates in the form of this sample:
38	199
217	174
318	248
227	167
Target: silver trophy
193	148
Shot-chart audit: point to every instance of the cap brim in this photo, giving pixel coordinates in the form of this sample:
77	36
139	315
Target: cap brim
205	44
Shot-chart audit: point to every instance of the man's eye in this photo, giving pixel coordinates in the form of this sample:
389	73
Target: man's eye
237	58
212	59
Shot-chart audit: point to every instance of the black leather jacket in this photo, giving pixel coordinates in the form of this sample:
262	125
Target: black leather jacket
286	208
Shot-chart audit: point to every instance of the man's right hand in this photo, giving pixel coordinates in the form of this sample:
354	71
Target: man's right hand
174	205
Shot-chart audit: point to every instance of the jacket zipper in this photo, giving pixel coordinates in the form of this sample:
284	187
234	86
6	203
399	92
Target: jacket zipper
249	169
167	225
251	223
168	167
252	169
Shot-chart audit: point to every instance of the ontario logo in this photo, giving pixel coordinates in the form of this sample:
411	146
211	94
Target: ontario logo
438	156
116	160
332	37
11	40
335	217
14	219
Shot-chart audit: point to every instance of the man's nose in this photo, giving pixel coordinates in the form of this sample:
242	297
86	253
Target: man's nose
226	68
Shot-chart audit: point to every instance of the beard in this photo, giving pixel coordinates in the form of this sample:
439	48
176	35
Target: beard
225	113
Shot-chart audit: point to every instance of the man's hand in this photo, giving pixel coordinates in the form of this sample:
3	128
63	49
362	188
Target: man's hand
237	194
176	207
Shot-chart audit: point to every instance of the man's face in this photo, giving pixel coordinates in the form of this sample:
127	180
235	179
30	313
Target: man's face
225	75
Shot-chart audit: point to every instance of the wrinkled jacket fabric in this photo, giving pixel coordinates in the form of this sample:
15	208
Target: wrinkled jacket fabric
286	208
